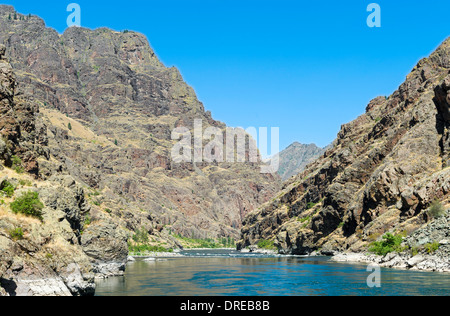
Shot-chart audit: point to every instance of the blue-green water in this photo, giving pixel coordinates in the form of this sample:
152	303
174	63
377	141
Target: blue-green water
219	272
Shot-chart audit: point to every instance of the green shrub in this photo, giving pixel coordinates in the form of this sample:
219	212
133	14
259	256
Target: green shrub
25	182
390	243
7	189
87	220
266	244
436	209
28	204
310	205
432	247
304	219
16	233
141	236
138	249
17	164
208	243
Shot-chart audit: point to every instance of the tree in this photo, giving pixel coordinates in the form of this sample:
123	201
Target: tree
69	126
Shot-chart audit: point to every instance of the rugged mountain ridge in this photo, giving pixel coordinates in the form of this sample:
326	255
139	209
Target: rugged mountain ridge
107	108
382	174
296	157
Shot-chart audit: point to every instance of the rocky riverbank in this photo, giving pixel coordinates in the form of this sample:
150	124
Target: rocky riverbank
406	261
427	249
256	249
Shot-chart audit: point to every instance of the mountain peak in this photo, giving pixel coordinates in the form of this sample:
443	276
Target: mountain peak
296	157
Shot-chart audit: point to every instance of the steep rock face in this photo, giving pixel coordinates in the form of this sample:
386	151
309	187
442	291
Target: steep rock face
384	170
45	257
296	157
107	107
19	135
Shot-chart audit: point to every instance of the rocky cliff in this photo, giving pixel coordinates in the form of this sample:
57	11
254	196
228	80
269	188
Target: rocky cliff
107	107
384	171
38	256
296	157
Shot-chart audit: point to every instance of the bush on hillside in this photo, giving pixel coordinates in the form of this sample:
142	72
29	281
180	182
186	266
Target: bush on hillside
28	204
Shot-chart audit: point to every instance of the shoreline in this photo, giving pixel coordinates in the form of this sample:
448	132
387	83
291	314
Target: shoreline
189	249
174	254
403	261
420	262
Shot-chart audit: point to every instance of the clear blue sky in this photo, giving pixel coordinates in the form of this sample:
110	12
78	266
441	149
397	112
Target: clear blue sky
304	66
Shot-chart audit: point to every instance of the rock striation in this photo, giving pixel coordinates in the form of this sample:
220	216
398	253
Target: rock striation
382	174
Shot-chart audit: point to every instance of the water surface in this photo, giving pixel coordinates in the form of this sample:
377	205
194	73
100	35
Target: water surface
225	272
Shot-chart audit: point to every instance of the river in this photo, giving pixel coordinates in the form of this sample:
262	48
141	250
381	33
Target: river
230	273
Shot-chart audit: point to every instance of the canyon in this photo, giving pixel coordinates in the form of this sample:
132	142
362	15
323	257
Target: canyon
87	121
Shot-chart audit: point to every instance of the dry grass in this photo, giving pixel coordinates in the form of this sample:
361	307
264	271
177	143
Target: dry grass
78	130
16	219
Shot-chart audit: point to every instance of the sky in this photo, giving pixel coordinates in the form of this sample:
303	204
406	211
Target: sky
306	67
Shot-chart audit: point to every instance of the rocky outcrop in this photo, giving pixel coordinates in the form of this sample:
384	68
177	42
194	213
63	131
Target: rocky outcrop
295	158
100	238
383	172
106	243
46	257
62	254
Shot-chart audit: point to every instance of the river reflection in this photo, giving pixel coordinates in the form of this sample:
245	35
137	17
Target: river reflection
212	273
